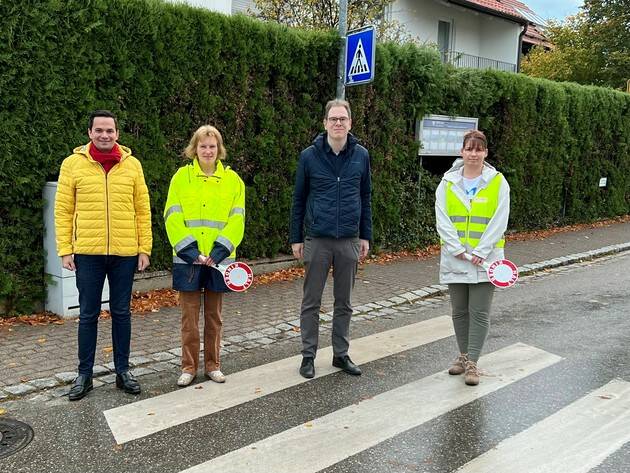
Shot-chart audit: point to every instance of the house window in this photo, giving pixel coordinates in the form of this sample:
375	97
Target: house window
444	36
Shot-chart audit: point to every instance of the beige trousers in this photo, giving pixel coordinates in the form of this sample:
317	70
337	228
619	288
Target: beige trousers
190	302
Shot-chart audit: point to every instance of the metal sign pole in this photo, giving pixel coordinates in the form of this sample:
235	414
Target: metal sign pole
341	66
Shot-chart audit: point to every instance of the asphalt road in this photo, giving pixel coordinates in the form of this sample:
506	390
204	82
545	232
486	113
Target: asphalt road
555	396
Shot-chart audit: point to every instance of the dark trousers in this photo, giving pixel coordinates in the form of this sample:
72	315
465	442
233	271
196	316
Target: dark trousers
91	273
319	255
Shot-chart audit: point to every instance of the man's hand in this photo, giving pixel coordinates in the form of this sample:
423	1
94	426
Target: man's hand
67	261
298	250
364	248
143	261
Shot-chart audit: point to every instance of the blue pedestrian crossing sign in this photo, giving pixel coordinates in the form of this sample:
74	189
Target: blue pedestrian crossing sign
360	48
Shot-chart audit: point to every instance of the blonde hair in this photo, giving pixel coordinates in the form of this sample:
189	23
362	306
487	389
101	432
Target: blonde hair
202	132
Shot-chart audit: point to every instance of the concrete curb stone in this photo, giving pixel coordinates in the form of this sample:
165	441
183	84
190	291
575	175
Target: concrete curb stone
170	359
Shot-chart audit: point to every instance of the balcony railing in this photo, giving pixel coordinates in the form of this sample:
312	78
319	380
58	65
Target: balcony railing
458	59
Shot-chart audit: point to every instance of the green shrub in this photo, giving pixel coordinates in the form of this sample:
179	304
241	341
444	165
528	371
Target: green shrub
166	69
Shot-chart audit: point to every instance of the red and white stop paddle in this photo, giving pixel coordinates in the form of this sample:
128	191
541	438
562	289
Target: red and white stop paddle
238	276
501	273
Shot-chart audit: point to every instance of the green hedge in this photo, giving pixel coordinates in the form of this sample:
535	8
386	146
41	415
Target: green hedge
167	69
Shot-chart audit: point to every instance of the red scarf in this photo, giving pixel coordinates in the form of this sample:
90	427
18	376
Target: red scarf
107	158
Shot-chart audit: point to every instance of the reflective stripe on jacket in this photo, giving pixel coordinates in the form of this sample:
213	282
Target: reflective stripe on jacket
98	213
471	222
203	209
452	269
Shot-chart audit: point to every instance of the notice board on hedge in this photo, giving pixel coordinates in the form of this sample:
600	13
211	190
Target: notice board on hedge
441	135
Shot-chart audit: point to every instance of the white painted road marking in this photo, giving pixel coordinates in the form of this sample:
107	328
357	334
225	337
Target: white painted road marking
325	441
575	439
142	418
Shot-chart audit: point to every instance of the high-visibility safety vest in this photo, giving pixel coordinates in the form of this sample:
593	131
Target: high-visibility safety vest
471	224
205	209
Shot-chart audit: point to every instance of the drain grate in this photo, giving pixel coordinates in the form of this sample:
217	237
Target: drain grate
14	436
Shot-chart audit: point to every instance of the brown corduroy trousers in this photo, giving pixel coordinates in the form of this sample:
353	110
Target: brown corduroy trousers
190	302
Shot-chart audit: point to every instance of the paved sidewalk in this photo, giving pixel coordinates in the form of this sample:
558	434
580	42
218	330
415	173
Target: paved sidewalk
44	357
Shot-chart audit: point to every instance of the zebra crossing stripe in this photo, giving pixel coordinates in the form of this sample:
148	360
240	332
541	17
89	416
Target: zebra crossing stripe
148	416
325	441
583	435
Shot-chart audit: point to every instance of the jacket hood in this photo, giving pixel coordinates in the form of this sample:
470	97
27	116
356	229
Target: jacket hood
318	142
455	173
83	150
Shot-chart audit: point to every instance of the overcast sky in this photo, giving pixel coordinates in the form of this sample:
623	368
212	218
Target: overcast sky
554	9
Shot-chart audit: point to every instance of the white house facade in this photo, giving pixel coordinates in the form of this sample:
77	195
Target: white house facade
466	37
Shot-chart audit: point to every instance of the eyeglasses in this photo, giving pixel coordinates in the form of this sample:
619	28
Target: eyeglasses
342	120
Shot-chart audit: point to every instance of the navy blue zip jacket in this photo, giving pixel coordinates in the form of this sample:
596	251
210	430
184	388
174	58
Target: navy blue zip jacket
332	200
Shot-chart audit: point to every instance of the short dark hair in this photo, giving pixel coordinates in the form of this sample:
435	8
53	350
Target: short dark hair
101	113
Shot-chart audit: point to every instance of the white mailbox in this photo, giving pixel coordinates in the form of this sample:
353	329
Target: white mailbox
62	296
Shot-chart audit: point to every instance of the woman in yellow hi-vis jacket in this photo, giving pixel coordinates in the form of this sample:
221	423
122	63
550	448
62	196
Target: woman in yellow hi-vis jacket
205	221
472	207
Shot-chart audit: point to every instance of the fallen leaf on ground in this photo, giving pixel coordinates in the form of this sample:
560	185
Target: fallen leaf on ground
41	340
198	387
108	349
2	411
153	301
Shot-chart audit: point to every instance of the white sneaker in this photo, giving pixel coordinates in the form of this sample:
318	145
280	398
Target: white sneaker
185	379
216	376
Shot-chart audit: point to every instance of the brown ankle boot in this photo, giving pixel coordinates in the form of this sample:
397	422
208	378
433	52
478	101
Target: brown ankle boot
471	378
459	365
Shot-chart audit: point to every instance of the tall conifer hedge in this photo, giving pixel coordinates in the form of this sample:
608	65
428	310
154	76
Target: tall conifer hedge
167	69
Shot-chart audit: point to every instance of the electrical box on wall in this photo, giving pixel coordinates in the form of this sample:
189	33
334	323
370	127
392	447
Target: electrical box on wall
62	296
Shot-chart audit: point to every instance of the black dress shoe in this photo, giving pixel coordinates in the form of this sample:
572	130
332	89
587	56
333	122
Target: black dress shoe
128	383
80	387
307	368
345	363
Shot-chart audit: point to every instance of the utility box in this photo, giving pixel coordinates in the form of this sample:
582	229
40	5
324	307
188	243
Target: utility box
62	296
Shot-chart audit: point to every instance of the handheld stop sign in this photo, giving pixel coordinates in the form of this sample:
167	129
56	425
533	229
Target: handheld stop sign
501	273
237	276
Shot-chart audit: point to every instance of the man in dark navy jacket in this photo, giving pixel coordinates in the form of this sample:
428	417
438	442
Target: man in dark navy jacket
331	225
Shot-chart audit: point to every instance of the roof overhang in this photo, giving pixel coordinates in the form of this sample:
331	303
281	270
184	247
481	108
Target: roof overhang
489	11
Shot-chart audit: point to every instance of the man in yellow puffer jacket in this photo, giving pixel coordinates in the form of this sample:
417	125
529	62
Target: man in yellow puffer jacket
103	228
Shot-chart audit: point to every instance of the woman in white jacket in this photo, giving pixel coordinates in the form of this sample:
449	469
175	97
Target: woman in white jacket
472	207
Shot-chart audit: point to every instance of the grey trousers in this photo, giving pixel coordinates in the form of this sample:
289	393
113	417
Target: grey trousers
319	255
471	315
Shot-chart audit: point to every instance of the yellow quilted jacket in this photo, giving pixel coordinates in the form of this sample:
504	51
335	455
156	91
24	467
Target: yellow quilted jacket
102	214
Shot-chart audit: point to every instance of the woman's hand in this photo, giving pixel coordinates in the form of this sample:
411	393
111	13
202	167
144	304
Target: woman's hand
477	260
201	259
210	261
